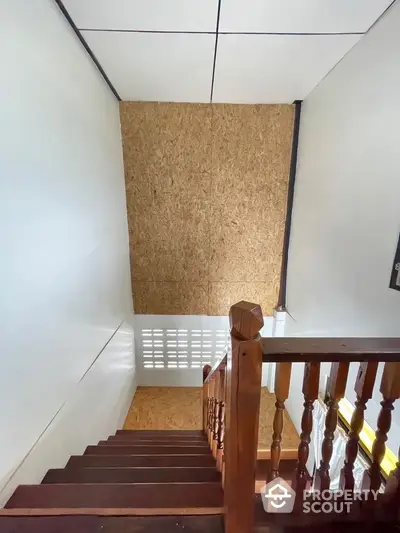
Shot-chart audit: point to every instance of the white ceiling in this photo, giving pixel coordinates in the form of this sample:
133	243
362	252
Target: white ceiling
151	15
171	67
164	49
300	16
274	68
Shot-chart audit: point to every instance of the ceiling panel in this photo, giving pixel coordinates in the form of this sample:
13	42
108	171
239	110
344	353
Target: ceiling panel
300	16
153	15
172	67
274	68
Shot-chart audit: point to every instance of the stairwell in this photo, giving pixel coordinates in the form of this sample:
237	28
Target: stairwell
143	481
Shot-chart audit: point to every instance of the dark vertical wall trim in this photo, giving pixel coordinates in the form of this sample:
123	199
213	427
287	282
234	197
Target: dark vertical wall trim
289	206
86	46
215	50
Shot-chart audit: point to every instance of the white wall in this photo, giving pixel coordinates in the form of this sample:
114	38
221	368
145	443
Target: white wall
64	239
346	216
94	409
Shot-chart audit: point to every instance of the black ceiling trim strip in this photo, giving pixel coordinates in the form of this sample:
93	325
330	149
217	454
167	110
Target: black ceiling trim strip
289	33
148	31
289	206
104	30
87	48
215	50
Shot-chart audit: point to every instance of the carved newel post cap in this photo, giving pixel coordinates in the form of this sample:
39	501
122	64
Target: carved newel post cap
246	320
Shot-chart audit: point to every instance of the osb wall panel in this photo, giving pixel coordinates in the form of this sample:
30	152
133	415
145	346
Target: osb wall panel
165	408
206	198
180	408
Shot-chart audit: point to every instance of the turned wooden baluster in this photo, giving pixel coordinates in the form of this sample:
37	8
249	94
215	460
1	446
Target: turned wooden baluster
390	389
243	389
282	384
335	390
363	387
211	409
221	416
310	392
208	410
215	427
206	371
393	481
208	407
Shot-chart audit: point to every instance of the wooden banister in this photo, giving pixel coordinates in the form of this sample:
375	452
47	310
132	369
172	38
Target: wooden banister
332	350
243	387
231	400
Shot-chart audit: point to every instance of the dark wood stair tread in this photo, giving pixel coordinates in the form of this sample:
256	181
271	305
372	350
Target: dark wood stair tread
132	475
179	432
173	438
152	444
137	449
109	524
140	460
157	440
140	495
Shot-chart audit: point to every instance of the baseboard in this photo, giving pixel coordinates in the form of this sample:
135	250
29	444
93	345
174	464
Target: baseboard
96	409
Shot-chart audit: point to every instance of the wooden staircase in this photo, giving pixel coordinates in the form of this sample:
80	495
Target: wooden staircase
170	481
136	481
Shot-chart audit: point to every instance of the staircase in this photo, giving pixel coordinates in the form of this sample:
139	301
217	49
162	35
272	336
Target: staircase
169	481
136	481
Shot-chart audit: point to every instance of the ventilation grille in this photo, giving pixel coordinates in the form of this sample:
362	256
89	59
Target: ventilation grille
182	348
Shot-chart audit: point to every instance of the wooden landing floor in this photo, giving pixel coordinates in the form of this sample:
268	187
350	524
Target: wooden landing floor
180	408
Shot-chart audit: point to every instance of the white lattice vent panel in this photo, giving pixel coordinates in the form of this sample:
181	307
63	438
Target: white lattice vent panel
171	350
181	348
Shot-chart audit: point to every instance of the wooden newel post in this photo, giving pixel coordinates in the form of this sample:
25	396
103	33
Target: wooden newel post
243	385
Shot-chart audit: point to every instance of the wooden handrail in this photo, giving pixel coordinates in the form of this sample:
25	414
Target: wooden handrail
331	350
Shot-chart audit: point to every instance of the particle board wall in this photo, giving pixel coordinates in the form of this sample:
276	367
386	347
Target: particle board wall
206	198
180	408
165	408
